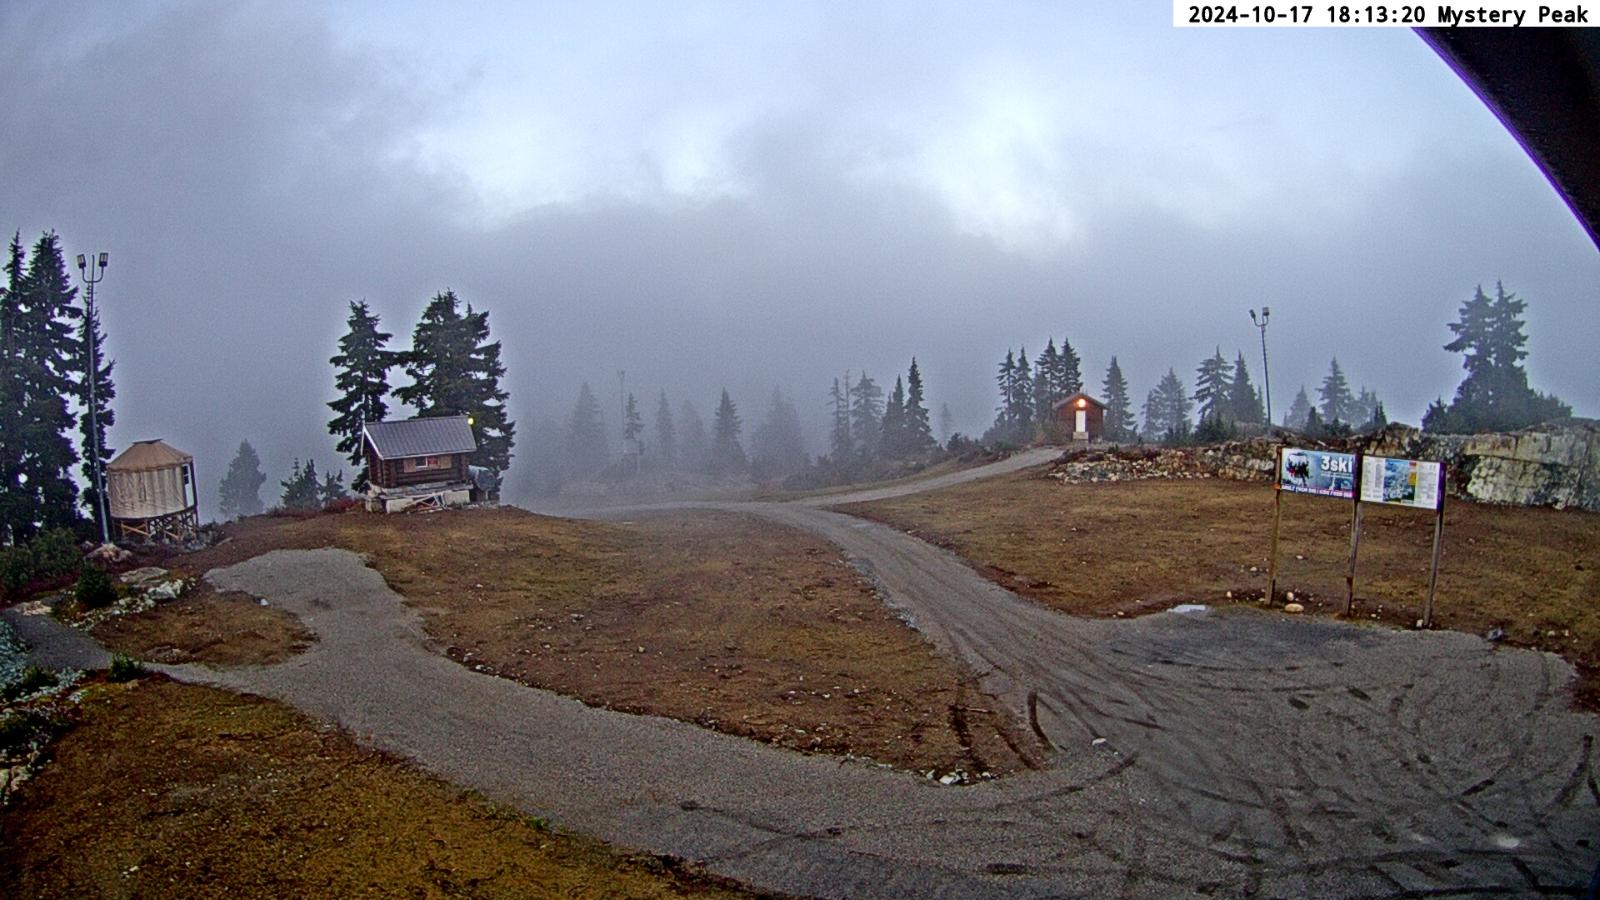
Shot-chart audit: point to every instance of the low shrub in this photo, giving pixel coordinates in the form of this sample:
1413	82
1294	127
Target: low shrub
20	729
50	555
33	679
95	589
125	668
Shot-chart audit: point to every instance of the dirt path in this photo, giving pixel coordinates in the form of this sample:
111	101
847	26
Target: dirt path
1025	459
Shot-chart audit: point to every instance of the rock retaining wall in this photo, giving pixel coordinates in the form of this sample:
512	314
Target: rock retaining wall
1556	464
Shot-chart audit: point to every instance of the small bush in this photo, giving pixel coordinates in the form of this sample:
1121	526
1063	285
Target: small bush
95	589
125	668
55	552
51	554
18	730
16	568
33	678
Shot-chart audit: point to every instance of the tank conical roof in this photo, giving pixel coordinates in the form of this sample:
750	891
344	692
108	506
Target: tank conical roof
145	456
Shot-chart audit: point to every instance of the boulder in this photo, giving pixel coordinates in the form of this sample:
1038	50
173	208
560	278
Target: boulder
140	577
166	590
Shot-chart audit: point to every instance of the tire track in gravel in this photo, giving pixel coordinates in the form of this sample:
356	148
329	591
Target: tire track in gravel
1180	763
1295	744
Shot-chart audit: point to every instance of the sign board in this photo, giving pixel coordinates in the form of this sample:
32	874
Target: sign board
1403	482
1317	472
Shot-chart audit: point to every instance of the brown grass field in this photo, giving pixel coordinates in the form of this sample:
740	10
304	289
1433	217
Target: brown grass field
728	621
167	790
1122	548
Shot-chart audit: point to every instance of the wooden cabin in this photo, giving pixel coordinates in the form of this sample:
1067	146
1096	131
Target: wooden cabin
418	462
1082	416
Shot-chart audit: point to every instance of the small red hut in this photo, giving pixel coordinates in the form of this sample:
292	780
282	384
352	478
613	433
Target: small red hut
1082	416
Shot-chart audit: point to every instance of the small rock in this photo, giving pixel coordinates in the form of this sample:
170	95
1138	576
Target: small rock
949	779
1097	742
1299	556
1293	608
1289	596
1254	569
143	576
109	553
1228	594
166	590
262	601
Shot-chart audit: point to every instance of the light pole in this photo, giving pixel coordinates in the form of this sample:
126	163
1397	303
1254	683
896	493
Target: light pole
1266	374
88	267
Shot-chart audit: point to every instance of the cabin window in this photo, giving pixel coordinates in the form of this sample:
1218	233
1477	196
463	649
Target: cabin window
425	463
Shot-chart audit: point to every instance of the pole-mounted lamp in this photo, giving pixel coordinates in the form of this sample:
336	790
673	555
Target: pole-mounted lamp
1266	375
92	269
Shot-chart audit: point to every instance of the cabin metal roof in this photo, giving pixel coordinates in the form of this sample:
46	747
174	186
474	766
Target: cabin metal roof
1065	401
426	436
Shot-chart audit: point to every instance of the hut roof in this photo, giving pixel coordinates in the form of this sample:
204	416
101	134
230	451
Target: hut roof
148	456
1073	400
426	436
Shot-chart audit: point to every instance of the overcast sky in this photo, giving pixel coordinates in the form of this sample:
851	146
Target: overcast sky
750	194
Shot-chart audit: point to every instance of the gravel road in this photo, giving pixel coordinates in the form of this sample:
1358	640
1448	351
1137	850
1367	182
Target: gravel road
1222	752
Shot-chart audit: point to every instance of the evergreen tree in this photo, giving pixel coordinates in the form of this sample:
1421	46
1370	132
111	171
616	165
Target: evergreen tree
892	443
727	456
240	492
332	489
1299	411
90	353
632	425
361	376
1006	380
40	491
1213	386
1166	410
17	511
1379	418
919	437
1337	404
455	370
300	490
1118	423
1047	376
1070	379
840	444
1014	420
1243	404
666	433
778	446
866	416
1495	395
587	452
1022	400
694	447
1365	408
1314	425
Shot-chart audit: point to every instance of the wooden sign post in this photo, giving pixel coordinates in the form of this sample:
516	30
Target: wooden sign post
1355	544
1438	545
1361	479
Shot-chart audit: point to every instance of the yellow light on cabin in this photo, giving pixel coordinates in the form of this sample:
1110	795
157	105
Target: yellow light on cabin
471	420
1082	403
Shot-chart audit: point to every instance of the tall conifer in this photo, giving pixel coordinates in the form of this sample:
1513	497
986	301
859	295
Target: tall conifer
361	375
456	370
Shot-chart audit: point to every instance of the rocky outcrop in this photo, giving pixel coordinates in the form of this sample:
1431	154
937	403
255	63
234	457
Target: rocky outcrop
1555	464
